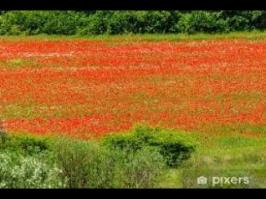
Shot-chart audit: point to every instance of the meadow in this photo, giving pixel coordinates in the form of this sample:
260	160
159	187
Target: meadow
210	89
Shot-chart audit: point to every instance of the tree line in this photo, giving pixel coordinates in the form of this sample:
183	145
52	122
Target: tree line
128	22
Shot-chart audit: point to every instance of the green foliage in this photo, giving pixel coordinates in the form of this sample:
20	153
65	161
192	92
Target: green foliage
26	144
244	20
89	165
37	162
172	146
142	22
126	22
3	138
17	171
202	21
70	163
76	158
40	22
96	23
3	134
140	169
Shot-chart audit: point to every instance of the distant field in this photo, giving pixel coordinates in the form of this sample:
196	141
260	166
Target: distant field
213	87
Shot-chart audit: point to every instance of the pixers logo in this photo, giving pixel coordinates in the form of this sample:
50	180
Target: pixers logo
222	180
202	180
229	181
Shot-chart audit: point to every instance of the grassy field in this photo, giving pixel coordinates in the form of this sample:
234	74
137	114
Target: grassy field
252	35
209	88
223	156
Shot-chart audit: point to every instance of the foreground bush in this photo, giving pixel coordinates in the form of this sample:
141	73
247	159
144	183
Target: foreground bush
34	162
141	169
24	144
18	171
83	164
89	165
133	160
170	145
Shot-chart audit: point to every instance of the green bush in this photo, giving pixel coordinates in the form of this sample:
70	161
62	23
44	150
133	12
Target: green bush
140	169
96	23
172	146
202	21
244	20
84	164
33	162
3	137
40	22
62	22
26	144
89	165
18	171
142	22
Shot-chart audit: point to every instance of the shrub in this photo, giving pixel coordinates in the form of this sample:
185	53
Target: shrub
32	162
142	22
260	20
86	164
171	145
18	171
96	23
73	157
202	21
3	136
62	22
161	21
28	145
40	22
89	165
140	169
244	20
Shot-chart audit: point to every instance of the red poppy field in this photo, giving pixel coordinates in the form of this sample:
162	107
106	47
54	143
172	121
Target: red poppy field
86	88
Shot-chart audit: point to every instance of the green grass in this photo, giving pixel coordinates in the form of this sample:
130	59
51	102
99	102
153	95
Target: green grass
223	156
252	35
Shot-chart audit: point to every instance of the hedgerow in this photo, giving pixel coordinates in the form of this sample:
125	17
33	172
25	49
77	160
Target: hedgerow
126	22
